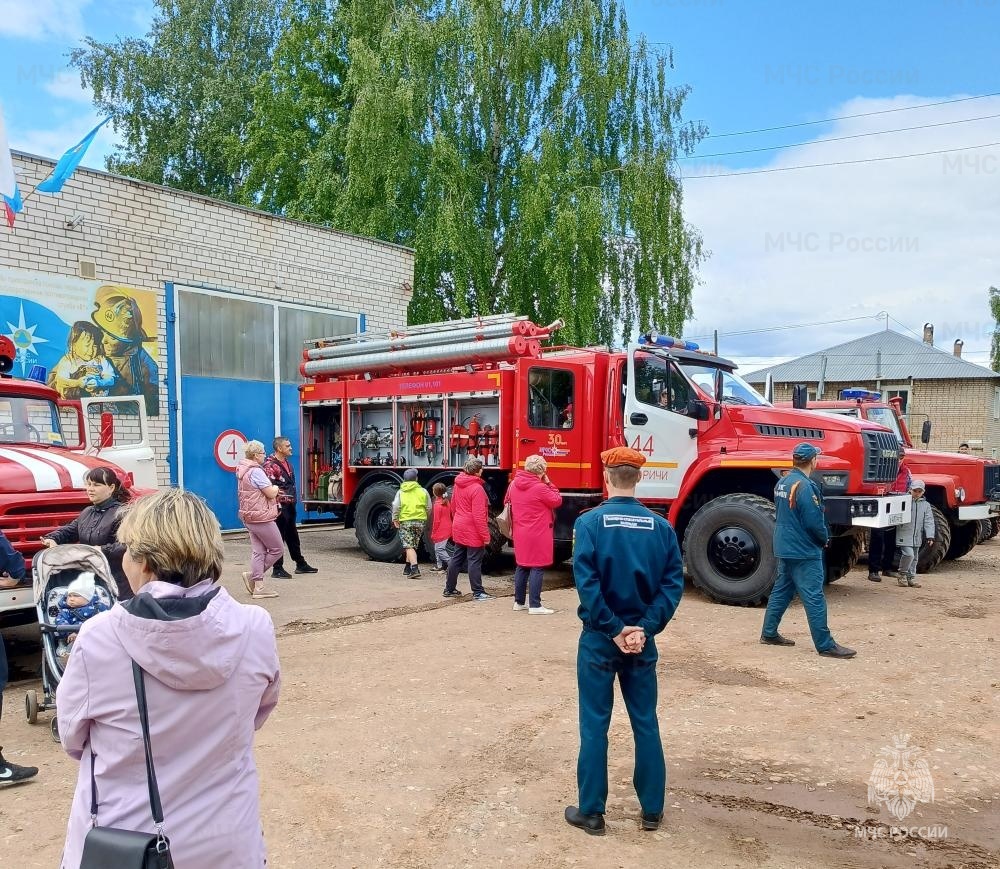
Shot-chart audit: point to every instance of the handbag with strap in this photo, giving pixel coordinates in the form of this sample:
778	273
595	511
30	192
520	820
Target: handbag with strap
107	847
505	520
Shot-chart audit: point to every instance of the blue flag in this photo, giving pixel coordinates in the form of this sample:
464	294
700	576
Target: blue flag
68	162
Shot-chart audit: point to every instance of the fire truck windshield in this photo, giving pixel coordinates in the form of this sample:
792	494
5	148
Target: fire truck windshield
29	420
885	416
735	389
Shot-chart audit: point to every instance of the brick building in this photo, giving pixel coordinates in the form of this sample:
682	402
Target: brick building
225	294
961	399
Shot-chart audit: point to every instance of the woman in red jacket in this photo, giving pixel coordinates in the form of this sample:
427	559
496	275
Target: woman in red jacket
533	500
470	530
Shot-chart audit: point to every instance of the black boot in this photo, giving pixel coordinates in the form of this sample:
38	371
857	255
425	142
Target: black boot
651	820
591	824
776	640
279	572
838	651
302	567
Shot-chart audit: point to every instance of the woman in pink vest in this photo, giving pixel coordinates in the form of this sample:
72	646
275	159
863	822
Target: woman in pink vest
258	508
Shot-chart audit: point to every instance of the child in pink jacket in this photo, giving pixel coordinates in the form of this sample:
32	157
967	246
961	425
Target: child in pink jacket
441	527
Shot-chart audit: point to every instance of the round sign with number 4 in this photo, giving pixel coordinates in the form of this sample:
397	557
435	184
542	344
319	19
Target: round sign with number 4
229	449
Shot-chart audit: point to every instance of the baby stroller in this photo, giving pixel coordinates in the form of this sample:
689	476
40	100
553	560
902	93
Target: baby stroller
52	570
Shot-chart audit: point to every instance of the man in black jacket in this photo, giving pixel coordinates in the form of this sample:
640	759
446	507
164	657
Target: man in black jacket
280	471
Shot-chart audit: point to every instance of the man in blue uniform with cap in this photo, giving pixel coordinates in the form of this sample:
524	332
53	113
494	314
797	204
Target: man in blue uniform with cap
800	536
629	576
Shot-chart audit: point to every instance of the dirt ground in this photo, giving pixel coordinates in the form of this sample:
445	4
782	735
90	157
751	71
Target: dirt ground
420	732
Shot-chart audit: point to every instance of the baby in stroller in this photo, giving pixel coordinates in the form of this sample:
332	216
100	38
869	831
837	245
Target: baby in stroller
81	602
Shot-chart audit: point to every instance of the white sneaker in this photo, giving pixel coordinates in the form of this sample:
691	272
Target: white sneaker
520	607
539	611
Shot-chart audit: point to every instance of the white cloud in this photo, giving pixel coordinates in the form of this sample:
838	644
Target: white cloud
66	85
52	142
915	238
42	19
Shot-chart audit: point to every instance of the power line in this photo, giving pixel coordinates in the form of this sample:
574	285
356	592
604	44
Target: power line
790	326
849	117
838	138
842	162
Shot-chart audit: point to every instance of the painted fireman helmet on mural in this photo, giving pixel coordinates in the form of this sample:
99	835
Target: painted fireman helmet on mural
118	314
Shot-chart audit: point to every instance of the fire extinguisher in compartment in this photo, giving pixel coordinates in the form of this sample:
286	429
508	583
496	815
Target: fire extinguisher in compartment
417	432
474	435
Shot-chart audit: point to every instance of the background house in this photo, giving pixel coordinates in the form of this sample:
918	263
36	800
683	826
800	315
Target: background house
961	399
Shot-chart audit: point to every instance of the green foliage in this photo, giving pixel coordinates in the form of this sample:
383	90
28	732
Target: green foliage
525	148
182	97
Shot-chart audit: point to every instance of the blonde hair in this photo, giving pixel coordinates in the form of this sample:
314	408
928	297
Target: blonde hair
535	464
177	536
253	448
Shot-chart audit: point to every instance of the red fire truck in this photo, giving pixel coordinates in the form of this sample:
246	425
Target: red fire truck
433	395
46	446
962	489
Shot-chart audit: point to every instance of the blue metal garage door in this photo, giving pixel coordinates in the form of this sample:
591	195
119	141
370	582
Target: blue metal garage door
234	366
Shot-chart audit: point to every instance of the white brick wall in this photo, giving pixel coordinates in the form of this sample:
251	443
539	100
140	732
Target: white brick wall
145	236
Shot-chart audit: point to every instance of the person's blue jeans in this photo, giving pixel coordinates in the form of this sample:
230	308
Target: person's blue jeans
598	661
802	576
530	579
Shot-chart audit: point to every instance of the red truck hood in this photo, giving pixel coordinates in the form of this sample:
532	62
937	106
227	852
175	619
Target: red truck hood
26	468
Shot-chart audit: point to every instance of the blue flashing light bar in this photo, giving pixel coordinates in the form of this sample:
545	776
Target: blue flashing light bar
858	394
668	341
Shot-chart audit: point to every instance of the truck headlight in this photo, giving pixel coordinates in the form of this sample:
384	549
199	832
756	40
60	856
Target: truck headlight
833	482
960	493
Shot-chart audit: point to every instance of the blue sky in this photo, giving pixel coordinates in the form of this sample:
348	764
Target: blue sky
914	238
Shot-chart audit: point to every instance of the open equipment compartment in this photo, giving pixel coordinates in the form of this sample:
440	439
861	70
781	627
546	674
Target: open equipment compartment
372	430
474	429
422	438
322	451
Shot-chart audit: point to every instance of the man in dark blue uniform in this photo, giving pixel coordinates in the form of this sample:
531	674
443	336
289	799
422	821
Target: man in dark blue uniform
800	536
628	572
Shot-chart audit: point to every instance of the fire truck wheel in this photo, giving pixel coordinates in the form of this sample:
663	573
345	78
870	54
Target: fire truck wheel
964	535
843	554
994	528
562	552
932	556
373	523
728	549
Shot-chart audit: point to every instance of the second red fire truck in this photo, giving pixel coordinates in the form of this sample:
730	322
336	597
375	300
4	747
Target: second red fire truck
434	395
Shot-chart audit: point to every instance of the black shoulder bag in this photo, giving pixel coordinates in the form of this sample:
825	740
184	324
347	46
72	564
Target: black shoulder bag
126	849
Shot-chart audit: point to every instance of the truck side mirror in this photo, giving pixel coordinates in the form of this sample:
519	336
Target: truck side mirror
107	438
800	396
698	410
925	432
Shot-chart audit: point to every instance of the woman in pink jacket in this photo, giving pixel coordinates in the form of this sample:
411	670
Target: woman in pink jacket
258	508
470	530
211	677
533	500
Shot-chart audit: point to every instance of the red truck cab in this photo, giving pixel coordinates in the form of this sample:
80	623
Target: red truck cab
961	489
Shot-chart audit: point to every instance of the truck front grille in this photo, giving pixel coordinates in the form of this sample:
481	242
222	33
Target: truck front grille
881	456
991	482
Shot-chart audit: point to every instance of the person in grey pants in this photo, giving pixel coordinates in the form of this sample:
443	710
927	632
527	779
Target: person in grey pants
919	531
